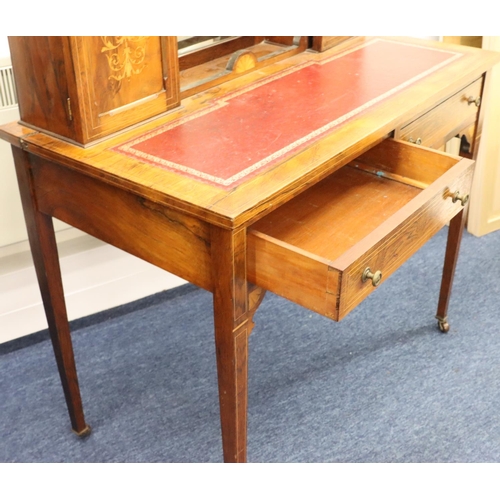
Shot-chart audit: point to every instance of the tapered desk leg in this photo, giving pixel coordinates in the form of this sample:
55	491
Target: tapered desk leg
44	250
232	327
455	232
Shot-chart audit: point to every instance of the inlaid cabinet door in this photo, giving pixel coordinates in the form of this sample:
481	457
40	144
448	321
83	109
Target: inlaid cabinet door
123	80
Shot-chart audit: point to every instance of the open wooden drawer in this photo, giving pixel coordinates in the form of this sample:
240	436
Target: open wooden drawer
329	247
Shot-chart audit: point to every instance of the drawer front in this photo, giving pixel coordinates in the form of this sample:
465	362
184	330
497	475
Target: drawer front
402	235
288	271
306	260
440	124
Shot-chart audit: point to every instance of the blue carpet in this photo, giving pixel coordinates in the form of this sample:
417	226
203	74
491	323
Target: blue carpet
383	385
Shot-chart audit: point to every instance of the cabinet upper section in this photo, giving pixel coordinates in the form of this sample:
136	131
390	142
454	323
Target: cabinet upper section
84	88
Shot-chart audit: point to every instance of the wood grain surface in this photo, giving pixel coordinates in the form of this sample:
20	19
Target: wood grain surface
170	240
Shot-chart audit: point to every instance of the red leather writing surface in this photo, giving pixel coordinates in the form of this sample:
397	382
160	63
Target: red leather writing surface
262	124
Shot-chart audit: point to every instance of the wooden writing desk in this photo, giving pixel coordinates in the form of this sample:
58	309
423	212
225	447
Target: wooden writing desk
300	178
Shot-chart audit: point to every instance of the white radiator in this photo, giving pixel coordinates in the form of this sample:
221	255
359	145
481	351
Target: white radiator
8	96
12	227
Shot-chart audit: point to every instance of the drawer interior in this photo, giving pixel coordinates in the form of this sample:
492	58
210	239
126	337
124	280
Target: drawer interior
334	215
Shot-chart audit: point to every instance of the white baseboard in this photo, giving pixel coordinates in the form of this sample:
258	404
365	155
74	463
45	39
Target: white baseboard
96	277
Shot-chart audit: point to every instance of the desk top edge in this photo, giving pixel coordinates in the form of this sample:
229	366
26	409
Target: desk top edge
256	197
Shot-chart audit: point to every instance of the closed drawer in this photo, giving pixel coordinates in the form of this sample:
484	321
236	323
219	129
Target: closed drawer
373	213
444	121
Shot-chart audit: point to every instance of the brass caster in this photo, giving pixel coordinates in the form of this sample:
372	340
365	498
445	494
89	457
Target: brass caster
444	326
85	433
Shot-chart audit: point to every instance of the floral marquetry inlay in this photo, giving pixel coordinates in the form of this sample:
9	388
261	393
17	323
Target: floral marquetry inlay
125	54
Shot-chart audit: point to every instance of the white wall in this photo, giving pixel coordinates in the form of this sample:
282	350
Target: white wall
4	46
12	229
11	218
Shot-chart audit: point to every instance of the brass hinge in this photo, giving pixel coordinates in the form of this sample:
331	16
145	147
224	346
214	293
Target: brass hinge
70	113
24	145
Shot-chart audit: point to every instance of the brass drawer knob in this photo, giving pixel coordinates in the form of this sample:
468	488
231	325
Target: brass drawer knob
376	277
474	100
458	197
415	141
